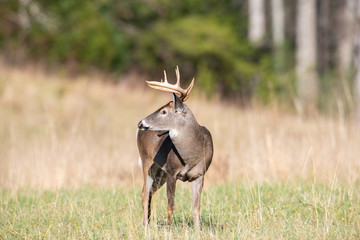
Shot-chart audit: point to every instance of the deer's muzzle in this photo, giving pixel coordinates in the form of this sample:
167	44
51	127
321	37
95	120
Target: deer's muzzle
143	126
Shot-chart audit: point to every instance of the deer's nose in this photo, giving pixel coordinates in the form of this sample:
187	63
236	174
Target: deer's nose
140	124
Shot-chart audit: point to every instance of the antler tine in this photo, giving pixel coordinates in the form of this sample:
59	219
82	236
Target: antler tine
188	90
173	88
177	76
165	77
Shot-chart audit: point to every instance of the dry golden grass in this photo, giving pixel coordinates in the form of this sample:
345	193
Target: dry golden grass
58	131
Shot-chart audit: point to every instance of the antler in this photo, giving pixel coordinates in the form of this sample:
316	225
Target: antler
173	88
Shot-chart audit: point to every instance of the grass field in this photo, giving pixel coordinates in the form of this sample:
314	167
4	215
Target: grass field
69	165
231	211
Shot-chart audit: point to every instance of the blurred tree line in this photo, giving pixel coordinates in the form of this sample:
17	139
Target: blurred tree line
302	51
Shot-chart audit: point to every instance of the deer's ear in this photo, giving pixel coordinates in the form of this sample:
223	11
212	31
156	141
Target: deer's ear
179	106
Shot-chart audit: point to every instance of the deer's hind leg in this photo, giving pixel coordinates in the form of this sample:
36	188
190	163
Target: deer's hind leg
197	186
170	191
154	178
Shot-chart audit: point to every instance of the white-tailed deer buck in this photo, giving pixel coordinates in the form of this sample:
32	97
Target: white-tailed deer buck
172	145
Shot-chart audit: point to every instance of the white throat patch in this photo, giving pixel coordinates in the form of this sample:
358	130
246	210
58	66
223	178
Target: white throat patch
173	133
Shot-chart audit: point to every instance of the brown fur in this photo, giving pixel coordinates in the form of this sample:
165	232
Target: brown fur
173	146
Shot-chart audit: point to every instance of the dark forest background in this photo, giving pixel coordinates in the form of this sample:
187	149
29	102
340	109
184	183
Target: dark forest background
302	54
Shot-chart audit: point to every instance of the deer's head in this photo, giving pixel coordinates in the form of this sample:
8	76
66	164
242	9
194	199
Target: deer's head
175	114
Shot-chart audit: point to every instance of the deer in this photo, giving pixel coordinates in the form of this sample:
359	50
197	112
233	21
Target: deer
173	146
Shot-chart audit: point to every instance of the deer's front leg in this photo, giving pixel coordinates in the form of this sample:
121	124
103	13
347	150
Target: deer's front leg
170	191
146	195
197	186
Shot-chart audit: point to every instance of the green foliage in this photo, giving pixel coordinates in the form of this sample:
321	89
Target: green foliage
206	39
336	95
87	35
274	85
206	79
208	44
82	32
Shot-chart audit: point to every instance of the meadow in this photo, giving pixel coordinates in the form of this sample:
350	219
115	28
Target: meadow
229	211
69	165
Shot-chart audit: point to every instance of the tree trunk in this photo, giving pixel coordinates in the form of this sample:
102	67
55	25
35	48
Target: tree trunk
306	74
23	16
324	36
278	33
357	60
256	21
347	37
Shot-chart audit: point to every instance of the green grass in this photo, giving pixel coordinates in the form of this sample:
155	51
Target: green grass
230	211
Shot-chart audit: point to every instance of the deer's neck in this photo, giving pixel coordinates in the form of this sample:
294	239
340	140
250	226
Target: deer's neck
186	136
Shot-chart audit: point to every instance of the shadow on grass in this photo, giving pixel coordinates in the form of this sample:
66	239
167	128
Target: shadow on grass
207	223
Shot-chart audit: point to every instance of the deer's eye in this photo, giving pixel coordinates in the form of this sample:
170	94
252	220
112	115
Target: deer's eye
163	112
